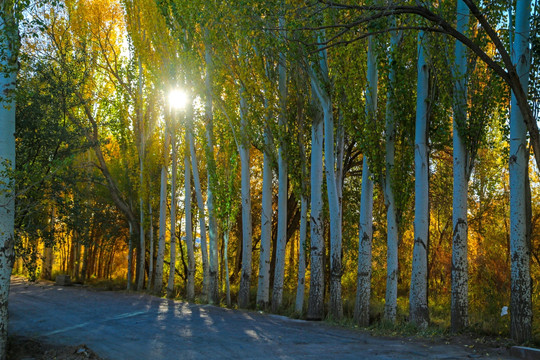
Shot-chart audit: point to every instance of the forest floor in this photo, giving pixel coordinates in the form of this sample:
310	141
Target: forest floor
72	323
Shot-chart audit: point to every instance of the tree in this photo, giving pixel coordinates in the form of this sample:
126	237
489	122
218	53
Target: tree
520	302
418	306
322	86
460	278
283	183
266	214
9	49
213	286
392	237
200	204
363	290
243	149
158	281
316	285
172	248
190	286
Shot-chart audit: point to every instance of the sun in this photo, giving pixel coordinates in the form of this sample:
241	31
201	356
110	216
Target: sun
178	99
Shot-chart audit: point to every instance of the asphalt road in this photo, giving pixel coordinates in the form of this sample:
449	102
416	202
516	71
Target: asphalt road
120	325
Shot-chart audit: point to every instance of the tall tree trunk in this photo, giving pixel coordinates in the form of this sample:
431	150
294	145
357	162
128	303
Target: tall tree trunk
226	261
48	254
301	282
279	274
172	263
158	282
190	286
243	149
151	236
130	259
77	261
140	123
266	227
392	230
520	300
460	275
325	98
9	43
213	284
200	204
84	266
316	287
418	306
363	289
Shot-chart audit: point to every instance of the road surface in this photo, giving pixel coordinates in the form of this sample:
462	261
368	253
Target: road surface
121	325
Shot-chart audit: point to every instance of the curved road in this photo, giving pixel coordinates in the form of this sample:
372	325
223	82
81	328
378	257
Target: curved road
120	325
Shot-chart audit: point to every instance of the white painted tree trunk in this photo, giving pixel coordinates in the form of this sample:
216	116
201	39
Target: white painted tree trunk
8	50
418	306
190	285
301	283
243	149
158	282
279	273
304	203
363	288
200	204
336	308
392	231
172	248
316	285
460	275
321	83
213	283
266	227
520	300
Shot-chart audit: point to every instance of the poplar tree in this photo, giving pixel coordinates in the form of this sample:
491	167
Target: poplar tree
418	302
9	50
520	299
460	278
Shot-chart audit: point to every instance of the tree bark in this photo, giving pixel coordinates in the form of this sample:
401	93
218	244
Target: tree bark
158	282
520	299
460	276
140	121
151	236
321	85
243	149
392	230
418	306
301	282
283	186
316	287
213	284
363	289
9	43
266	227
200	204
48	254
190	286
172	248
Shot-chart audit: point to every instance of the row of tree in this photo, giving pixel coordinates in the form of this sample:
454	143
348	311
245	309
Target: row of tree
284	146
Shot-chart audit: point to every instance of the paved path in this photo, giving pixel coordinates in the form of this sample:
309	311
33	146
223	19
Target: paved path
119	325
